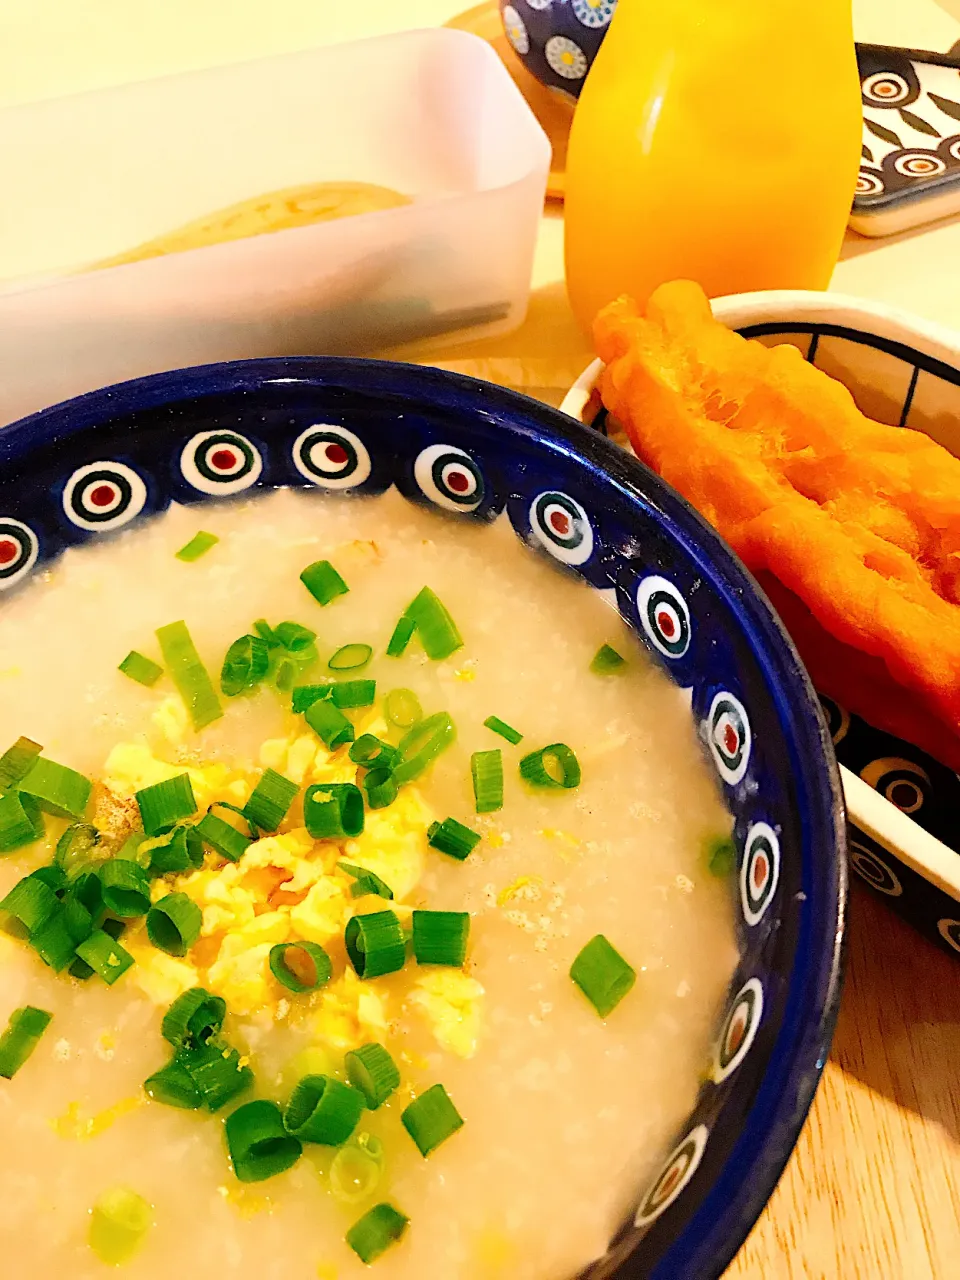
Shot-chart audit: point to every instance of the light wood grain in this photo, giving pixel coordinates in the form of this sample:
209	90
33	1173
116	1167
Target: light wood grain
872	1191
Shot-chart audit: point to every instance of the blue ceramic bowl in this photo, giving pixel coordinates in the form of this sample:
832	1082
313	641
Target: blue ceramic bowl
557	40
81	470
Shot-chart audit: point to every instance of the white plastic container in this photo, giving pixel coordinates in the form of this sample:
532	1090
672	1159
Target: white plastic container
433	114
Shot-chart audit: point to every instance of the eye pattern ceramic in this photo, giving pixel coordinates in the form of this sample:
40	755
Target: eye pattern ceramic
346	428
910	164
904	840
557	40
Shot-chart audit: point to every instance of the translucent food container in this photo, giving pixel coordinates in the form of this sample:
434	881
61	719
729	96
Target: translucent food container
432	114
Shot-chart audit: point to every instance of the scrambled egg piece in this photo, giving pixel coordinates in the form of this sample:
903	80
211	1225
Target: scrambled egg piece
131	766
173	721
352	1012
392	844
160	977
322	914
453	1004
287	887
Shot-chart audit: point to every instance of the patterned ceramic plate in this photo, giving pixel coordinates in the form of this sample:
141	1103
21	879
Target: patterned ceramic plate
904	839
910	163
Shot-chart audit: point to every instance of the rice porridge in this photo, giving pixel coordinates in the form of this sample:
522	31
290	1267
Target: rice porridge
550	1116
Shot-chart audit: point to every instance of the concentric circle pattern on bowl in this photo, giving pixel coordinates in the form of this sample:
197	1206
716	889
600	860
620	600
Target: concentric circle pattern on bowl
345	428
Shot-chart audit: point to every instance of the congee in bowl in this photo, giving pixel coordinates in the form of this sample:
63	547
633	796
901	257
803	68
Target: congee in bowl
371	895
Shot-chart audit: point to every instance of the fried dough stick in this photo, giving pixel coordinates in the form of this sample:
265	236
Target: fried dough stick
853	526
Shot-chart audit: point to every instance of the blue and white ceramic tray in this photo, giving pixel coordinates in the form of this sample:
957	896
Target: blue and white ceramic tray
902	805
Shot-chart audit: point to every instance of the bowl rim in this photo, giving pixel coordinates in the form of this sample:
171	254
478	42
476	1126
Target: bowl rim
751	1170
907	334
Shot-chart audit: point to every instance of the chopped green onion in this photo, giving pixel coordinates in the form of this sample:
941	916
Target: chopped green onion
105	956
436	628
173	1085
217	1072
440	937
259	1145
602	974
198	546
264	630
270	801
421	745
375	944
119	1223
77	849
329	724
431	1119
136	848
76	917
86	890
141	668
371	1070
323	1110
285	675
294	637
357	1168
189	674
56	789
17	761
453	838
486	769
365	881
354	693
126	889
721	856
381	787
505	730
402	708
372	1234
300	966
606	660
245	665
165	803
193	1018
372	752
401	637
305	695
351	657
323	582
54	941
333	811
173	924
177	850
21	1037
553	766
20	822
53	876
31	903
222	837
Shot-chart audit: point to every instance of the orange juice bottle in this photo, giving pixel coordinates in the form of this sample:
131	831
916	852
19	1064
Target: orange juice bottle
717	141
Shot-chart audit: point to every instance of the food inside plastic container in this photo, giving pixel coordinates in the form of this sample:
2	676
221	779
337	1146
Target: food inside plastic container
300	206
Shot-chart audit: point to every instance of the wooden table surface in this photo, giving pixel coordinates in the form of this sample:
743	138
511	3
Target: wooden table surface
872	1191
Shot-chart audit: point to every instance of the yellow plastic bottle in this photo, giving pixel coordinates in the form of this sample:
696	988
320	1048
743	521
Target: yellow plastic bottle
714	140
